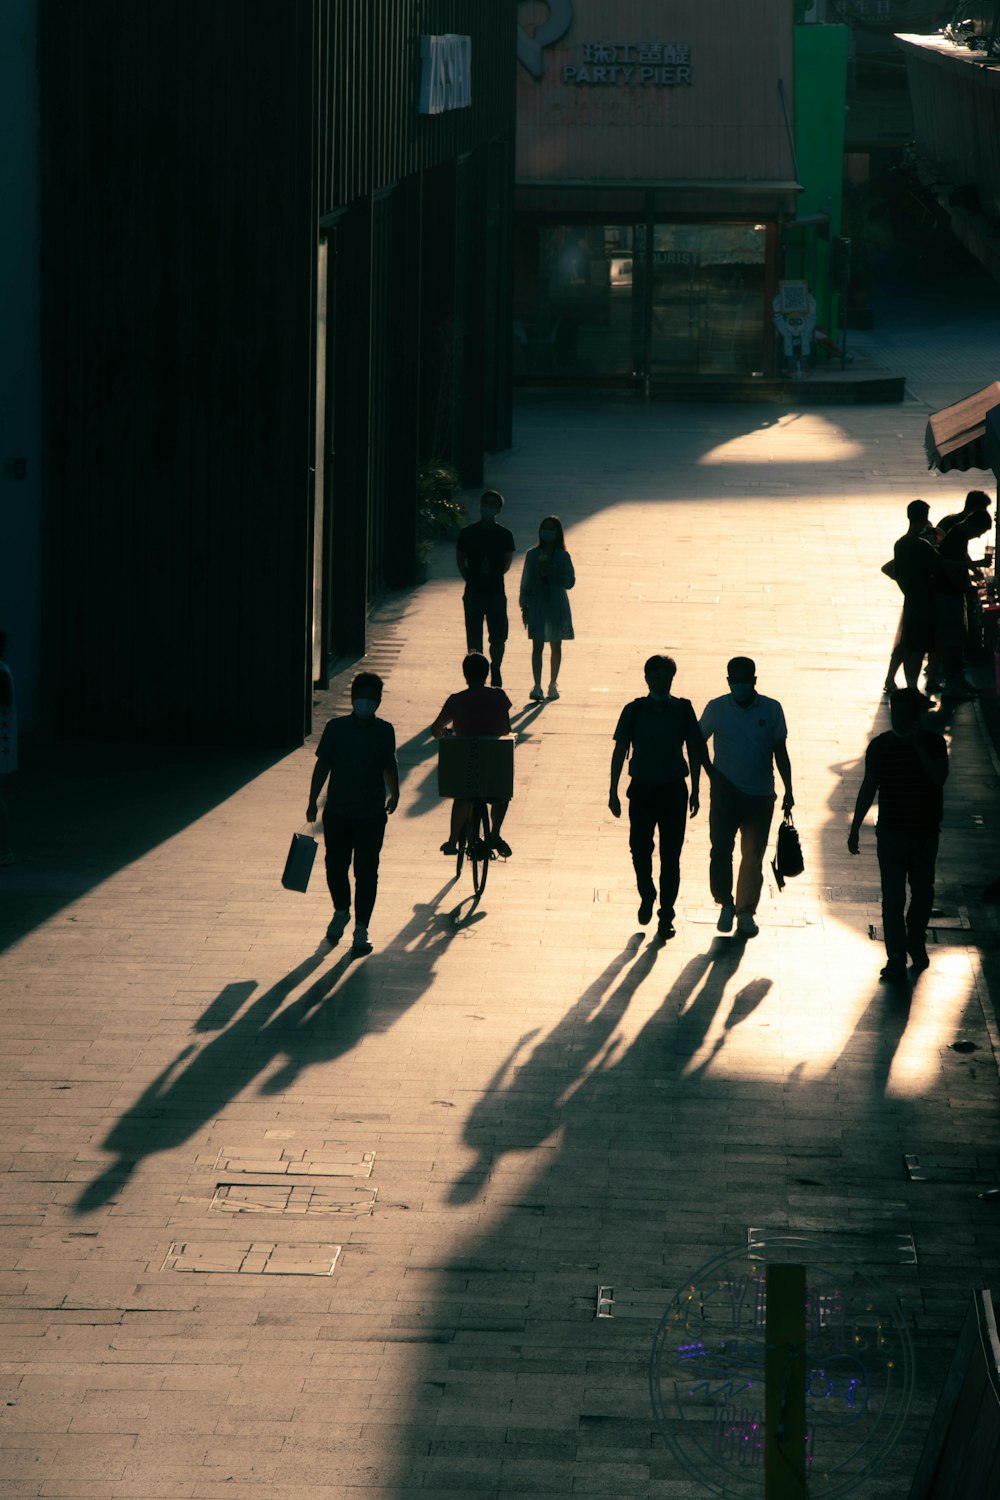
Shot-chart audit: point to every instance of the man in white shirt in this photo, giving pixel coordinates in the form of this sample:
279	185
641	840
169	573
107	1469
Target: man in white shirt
750	739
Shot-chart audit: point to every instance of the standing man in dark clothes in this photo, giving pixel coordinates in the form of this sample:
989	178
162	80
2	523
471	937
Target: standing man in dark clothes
916	567
484	552
951	585
906	768
357	753
658	728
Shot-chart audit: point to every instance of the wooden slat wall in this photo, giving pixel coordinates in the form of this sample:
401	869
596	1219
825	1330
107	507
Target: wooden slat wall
371	131
177	270
190	150
728	123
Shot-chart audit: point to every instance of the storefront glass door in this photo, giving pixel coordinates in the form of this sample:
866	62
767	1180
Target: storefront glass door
707	302
583	308
573	309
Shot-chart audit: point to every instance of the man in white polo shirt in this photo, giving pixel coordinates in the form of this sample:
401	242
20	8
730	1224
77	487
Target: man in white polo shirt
750	739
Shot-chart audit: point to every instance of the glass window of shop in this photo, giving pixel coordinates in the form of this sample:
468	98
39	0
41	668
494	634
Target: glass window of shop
583	307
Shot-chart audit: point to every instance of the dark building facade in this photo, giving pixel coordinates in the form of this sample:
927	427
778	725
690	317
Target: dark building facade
272	286
954	77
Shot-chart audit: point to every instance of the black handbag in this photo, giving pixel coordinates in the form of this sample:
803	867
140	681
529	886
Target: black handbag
787	860
298	865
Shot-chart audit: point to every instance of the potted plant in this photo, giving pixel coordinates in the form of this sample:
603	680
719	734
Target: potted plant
439	514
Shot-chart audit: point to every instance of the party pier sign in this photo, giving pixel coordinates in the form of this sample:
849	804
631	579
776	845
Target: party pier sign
632	64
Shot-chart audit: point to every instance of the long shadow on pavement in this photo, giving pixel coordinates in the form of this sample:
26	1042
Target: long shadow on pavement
327	1020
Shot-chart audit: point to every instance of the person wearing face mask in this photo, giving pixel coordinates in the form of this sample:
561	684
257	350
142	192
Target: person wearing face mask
750	739
356	754
546	577
906	769
658	729
484	552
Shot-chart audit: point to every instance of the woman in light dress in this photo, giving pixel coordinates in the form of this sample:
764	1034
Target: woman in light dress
545	581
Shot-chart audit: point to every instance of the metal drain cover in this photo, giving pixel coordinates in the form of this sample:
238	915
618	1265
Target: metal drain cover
294	1198
260	1258
335	1161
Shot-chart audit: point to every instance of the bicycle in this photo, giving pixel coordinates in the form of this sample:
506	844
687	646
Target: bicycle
474	842
479	770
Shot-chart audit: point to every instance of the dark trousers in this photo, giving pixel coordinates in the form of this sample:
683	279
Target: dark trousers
660	809
734	812
359	839
906	855
490	609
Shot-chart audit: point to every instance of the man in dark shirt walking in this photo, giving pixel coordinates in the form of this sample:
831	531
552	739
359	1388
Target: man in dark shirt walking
357	753
906	768
484	552
658	728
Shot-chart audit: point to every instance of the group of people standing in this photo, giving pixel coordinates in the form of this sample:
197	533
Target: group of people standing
934	573
484	553
906	768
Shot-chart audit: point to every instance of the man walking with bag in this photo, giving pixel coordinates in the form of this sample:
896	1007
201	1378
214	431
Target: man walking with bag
658	729
750	739
357	755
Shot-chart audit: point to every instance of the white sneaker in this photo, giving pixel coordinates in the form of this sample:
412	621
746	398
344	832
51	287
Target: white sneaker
746	926
727	917
361	945
553	690
536	693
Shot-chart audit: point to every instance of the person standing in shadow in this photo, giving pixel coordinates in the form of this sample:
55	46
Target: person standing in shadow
658	729
751	738
546	577
357	755
906	768
484	552
916	567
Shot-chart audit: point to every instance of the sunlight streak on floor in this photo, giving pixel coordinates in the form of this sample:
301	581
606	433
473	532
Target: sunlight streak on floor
936	1014
824	439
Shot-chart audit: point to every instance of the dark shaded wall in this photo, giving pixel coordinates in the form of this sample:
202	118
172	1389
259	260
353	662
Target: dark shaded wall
176	273
192	156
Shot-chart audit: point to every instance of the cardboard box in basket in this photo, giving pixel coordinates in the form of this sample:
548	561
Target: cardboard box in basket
473	767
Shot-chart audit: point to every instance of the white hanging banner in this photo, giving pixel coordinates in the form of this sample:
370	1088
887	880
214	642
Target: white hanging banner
446	73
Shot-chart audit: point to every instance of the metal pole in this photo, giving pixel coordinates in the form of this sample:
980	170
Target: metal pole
785	1384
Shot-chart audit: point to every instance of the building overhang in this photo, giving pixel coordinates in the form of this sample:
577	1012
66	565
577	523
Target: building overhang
639	197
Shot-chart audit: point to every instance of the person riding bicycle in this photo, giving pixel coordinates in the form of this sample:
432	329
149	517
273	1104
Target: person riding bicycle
484	712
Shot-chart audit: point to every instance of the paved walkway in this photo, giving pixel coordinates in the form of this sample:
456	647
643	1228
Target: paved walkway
493	1117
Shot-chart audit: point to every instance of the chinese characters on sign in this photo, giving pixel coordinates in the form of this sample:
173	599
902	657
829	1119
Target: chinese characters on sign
643	64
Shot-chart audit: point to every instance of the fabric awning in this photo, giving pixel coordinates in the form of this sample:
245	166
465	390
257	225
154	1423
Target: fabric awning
965	436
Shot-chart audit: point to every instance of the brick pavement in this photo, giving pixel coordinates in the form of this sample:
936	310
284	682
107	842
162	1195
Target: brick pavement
553	1102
